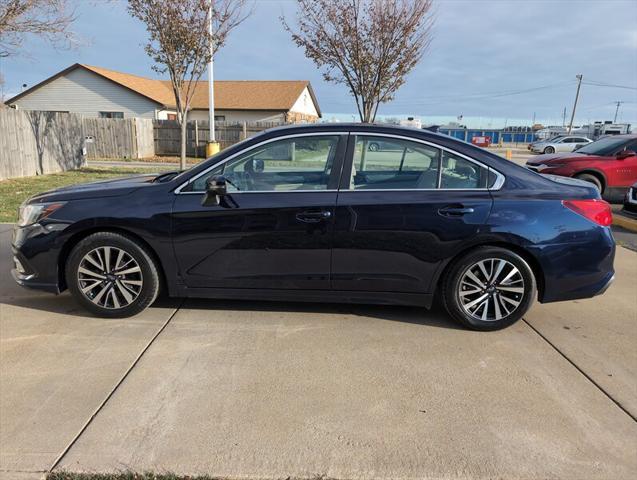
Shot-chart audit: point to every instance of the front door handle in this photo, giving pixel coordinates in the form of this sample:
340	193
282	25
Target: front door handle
455	211
313	217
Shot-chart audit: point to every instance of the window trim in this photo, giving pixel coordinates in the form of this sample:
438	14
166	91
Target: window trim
345	186
178	190
347	165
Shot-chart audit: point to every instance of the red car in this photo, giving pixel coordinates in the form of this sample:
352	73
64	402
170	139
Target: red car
609	163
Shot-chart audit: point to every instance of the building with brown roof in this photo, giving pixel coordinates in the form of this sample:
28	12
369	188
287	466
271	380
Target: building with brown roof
99	92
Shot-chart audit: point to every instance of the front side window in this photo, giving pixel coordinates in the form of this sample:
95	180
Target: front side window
388	163
299	163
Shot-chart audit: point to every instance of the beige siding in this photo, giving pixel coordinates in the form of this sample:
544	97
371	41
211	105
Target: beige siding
239	116
86	93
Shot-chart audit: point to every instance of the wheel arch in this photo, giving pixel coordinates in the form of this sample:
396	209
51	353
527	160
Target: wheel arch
528	257
77	237
596	173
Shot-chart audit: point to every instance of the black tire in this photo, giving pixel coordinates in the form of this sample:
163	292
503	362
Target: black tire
148	275
453	284
373	147
549	150
587	177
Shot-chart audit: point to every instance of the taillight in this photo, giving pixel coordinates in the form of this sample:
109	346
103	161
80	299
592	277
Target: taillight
597	211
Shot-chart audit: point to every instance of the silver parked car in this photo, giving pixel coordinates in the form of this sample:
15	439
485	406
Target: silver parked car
565	143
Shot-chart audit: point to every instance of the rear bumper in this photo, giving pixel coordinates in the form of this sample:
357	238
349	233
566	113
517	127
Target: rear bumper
578	271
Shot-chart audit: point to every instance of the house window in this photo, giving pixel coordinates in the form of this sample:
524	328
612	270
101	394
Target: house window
171	116
111	114
220	118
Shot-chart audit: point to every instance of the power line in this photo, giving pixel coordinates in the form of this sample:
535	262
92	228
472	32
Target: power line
611	85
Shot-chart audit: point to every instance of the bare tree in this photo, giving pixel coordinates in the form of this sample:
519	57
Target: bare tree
368	45
48	19
180	42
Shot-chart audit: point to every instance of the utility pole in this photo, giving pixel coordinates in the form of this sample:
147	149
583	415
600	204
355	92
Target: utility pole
618	103
564	117
579	84
213	146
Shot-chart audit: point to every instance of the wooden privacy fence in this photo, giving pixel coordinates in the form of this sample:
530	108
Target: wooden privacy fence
118	138
35	143
168	135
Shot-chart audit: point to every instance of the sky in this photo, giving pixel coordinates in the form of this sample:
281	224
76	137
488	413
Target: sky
494	62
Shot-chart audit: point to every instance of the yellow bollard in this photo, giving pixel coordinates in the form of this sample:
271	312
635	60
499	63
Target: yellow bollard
212	148
509	154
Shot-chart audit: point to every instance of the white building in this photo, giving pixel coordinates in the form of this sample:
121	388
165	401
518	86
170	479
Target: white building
98	92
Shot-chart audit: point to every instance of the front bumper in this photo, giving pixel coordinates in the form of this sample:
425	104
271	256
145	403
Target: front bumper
36	250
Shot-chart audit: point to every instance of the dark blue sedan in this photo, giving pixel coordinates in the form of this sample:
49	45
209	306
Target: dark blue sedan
312	213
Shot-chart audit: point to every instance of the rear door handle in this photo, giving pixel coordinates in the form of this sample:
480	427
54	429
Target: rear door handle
455	211
313	217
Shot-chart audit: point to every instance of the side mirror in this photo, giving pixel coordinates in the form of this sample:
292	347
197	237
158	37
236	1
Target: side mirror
625	154
215	190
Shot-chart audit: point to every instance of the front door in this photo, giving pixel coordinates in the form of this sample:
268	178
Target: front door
404	208
274	228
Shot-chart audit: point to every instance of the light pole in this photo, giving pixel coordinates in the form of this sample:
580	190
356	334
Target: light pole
212	147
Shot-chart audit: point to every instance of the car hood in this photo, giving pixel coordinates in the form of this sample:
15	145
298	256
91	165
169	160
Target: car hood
560	158
102	188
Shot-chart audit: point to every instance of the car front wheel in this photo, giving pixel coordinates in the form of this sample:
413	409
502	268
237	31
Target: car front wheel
587	177
549	150
488	288
112	275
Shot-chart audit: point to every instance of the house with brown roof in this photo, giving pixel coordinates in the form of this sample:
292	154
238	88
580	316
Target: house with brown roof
99	92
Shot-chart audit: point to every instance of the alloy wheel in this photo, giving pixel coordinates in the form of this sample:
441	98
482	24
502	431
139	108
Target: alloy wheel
491	289
110	277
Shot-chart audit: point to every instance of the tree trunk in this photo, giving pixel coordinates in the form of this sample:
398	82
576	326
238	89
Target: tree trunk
182	157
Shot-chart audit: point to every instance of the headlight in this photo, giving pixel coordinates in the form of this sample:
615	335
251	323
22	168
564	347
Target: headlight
546	167
34	212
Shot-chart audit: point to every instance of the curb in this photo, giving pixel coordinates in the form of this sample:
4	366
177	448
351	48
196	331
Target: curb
624	222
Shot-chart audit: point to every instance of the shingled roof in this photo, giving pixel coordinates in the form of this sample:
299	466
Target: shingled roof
279	95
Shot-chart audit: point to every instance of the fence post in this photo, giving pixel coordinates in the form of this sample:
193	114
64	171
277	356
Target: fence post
245	131
196	138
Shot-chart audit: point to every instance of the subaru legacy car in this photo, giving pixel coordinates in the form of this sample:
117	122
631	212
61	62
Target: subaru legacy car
310	213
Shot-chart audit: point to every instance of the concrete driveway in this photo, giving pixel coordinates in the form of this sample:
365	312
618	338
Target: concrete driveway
271	390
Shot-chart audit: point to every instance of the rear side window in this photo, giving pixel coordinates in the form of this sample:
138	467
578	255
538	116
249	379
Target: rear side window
387	163
460	173
384	163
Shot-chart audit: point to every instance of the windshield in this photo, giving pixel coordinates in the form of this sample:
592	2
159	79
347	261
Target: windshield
604	146
554	139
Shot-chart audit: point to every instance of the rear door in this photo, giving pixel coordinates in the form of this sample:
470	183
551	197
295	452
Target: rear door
273	229
401	210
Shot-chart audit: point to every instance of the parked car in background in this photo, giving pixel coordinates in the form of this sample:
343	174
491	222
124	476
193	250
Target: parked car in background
429	216
567	143
609	163
630	201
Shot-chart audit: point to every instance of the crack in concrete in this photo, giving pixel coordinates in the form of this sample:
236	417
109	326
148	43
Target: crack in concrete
113	390
580	370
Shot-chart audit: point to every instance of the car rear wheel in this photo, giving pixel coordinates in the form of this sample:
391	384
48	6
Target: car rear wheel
112	275
587	177
549	150
489	288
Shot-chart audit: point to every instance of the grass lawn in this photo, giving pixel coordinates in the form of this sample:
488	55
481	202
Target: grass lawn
136	476
122	476
16	190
